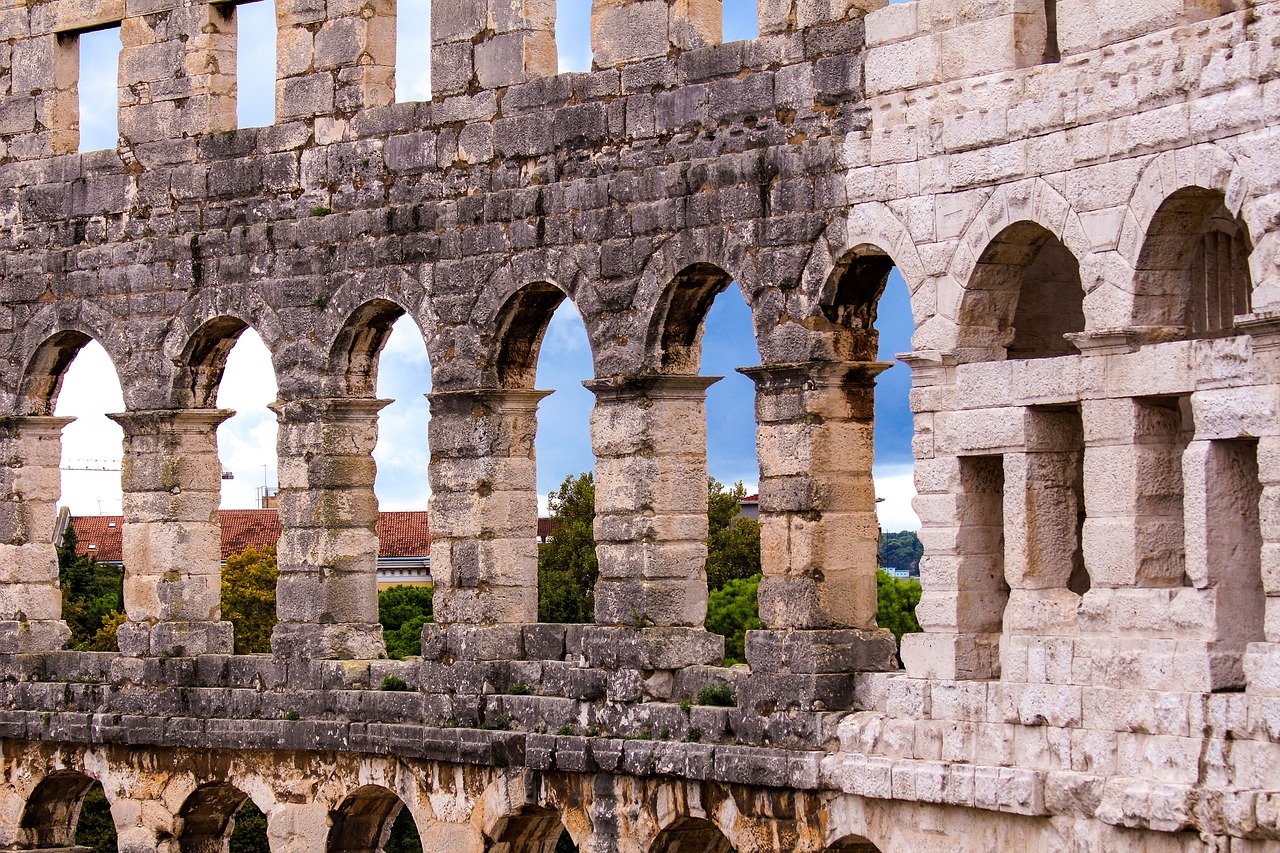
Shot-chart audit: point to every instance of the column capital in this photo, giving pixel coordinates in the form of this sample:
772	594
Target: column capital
1123	339
34	424
665	386
313	409
815	374
509	399
152	421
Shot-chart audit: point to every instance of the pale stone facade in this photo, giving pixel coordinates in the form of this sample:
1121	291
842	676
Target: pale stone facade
1083	200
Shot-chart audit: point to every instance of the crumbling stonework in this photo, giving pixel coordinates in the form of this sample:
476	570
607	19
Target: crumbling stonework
1082	198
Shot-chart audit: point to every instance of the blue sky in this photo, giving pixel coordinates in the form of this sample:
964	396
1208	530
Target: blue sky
247	441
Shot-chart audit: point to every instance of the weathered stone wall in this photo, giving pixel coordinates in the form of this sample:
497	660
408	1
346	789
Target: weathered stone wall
1082	200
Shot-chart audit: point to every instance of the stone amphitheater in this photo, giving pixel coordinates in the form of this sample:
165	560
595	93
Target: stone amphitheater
1083	198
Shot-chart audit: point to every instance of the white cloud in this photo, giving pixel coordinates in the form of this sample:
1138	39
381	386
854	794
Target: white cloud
90	390
247	441
896	484
402	454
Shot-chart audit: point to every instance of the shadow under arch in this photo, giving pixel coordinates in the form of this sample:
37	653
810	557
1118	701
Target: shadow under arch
364	821
354	356
691	835
678	322
852	844
204	360
208	817
530	829
1025	294
52	811
1192	272
521	324
46	369
851	298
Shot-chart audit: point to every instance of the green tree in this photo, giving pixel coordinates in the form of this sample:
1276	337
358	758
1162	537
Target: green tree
250	832
901	551
897	600
567	567
402	611
92	596
249	598
404	837
733	541
732	611
94	828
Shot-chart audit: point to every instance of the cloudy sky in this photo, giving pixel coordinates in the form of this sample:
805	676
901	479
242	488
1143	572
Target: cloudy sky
247	441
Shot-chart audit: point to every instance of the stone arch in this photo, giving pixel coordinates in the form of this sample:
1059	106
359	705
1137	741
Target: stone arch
362	821
208	817
529	829
677	286
690	834
517	333
1030	213
203	335
852	844
52	810
1024	294
354	355
1192	272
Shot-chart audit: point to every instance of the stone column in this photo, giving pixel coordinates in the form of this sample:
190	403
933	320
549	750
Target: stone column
172	544
1043	510
484	506
818	529
819	533
333	58
490	43
649	435
628	30
1133	488
327	593
30	599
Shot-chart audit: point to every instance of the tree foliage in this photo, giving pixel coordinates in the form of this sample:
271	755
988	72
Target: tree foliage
92	597
402	611
404	837
250	832
901	551
567	567
732	611
94	828
249	598
733	541
897	600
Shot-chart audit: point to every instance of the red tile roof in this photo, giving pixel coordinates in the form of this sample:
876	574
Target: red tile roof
400	534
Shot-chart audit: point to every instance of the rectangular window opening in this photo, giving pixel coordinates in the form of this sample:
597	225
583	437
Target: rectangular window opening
573	35
1163	435
255	33
741	20
1052	53
413	50
98	87
1235	539
980	539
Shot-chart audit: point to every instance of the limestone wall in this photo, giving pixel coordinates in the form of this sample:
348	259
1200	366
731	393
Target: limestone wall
1081	198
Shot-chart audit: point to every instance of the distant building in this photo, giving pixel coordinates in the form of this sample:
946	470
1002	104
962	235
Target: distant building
750	507
404	539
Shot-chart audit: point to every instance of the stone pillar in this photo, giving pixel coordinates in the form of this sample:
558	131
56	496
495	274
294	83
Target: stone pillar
30	599
1133	488
179	68
819	533
1043	511
484	506
965	594
629	30
334	58
172	544
327	594
649	435
485	44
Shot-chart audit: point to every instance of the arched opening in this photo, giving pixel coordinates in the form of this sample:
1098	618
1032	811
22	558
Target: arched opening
67	809
691	835
853	844
372	820
1025	294
532	829
565	462
1193	270
71	376
218	817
